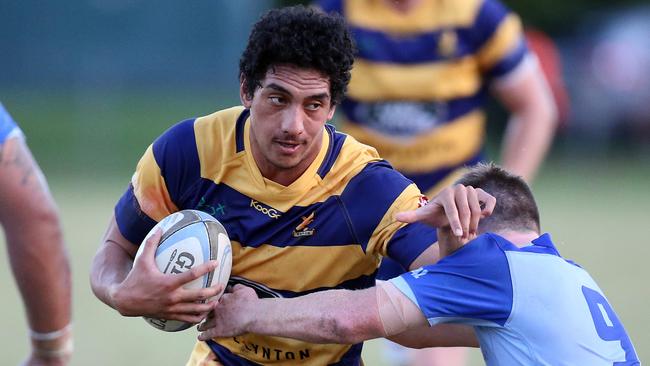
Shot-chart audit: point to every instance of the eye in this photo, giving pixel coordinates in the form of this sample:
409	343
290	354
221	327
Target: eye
314	106
277	100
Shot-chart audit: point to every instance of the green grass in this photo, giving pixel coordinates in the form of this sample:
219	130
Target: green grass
596	211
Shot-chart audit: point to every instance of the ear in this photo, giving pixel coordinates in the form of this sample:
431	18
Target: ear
245	100
330	114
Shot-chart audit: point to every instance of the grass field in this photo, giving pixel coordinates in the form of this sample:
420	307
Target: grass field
597	213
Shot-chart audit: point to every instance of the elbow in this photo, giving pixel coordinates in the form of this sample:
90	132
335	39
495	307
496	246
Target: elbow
343	329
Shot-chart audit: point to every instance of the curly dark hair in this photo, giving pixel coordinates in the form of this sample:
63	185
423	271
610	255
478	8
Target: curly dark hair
302	37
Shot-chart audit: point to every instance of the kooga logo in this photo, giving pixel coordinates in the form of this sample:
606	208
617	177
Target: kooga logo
270	212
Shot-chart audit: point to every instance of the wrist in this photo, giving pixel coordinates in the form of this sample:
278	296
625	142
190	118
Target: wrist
57	344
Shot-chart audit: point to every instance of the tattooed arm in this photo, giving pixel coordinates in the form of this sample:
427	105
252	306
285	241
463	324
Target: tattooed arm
37	253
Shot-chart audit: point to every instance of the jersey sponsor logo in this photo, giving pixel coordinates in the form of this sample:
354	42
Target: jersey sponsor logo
447	43
269	353
422	201
417	273
302	229
215	210
268	211
401	118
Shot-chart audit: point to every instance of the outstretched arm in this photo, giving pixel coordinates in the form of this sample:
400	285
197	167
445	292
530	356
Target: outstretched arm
533	119
35	240
335	316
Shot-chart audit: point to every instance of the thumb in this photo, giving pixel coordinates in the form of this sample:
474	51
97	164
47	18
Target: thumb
407	216
151	244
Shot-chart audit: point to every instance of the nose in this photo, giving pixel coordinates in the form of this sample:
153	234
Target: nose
293	122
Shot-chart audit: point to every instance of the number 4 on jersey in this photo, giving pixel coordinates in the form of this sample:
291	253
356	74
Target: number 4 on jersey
608	327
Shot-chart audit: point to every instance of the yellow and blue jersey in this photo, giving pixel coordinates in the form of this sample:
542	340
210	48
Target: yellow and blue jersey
326	230
8	127
420	80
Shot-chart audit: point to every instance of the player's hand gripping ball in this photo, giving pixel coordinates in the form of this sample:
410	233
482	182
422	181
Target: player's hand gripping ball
190	238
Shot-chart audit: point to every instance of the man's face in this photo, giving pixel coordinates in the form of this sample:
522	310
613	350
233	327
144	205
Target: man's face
288	112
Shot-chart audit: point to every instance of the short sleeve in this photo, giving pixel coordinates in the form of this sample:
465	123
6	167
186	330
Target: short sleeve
471	286
164	174
502	44
372	199
8	127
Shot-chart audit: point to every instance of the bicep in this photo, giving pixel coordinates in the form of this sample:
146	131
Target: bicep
113	238
431	255
441	335
24	195
524	87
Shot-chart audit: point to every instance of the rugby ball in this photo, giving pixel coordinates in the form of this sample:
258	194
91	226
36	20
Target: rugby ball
190	238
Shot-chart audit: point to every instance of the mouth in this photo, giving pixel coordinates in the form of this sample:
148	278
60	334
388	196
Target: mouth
288	147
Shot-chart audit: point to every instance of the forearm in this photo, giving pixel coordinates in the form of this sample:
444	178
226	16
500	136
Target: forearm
40	265
533	120
34	239
110	267
527	139
339	316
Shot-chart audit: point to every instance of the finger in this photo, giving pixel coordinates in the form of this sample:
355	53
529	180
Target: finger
451	211
194	273
198	294
475	209
191	308
151	244
489	202
407	216
207	335
464	213
188	318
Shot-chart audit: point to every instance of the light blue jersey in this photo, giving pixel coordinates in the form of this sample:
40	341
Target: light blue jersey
8	127
528	306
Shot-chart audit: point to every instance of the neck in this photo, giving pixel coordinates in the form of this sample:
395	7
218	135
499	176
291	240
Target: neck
403	6
519	238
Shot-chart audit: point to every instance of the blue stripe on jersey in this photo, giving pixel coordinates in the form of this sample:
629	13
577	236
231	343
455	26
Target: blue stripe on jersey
426	181
336	143
378	46
132	222
331	5
408	250
359	283
7	124
357	111
474	282
488	19
351	358
509	62
175	153
371	204
239	129
253	228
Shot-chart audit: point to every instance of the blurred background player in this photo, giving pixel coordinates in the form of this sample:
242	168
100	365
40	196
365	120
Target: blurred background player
420	81
36	250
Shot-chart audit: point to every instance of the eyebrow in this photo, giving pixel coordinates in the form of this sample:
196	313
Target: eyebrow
319	96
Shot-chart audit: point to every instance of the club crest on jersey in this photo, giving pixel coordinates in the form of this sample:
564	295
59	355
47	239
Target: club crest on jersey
423	201
303	229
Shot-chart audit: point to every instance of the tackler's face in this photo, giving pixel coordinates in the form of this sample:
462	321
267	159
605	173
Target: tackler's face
288	114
